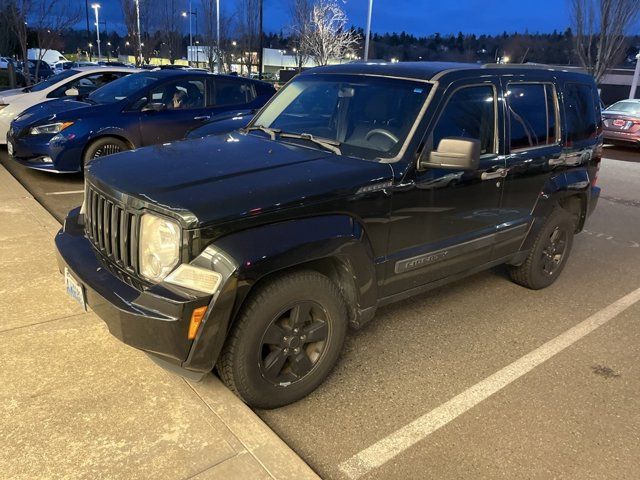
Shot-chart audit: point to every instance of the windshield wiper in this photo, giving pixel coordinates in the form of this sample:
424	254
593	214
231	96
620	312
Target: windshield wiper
331	145
269	131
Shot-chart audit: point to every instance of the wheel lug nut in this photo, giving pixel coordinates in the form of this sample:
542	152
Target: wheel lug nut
297	350
286	350
303	337
295	330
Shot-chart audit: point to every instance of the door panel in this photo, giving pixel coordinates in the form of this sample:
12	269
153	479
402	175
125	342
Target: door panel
535	150
445	221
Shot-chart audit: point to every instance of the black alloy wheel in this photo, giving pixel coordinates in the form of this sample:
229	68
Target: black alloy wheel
553	251
294	343
549	252
287	338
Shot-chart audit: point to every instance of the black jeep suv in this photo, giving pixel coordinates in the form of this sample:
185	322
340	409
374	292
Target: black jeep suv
355	186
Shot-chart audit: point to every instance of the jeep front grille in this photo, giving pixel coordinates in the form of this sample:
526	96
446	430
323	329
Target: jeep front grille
112	229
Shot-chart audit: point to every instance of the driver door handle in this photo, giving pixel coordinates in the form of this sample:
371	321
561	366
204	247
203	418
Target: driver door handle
202	117
497	173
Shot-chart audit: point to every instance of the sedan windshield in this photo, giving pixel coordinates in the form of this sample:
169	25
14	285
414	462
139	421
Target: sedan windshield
632	108
51	81
122	88
364	116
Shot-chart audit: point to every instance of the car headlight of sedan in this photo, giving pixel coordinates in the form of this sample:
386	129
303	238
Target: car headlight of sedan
159	249
50	128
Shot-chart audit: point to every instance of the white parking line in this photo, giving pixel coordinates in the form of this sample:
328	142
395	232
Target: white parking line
68	192
397	442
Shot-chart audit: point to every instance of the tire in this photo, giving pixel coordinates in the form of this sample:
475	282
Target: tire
267	359
549	253
102	147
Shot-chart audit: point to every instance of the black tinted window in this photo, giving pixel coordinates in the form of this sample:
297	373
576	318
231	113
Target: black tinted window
532	114
582	112
469	113
232	92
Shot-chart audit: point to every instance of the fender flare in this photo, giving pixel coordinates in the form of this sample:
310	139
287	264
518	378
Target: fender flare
262	251
574	183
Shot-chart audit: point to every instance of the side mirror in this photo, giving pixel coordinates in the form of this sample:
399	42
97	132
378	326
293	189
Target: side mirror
453	153
154	107
72	92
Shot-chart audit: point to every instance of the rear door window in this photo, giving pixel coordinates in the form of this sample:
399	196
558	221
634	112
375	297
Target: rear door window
533	117
582	110
231	92
469	113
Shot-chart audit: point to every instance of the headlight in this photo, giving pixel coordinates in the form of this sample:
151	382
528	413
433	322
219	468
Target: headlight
50	129
195	278
159	247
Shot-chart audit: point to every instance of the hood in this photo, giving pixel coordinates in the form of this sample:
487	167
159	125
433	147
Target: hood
227	177
52	110
9	96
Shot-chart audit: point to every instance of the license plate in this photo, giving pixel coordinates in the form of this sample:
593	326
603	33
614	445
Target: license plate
74	289
10	148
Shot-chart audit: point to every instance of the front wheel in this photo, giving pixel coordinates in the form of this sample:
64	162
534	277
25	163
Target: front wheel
549	253
286	341
102	147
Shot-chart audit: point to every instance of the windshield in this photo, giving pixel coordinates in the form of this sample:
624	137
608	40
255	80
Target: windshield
122	88
368	117
49	82
626	107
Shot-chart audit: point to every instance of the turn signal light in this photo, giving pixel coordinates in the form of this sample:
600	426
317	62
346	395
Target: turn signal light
196	320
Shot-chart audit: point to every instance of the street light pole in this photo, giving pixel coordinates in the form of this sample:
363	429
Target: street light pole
218	33
139	36
368	32
190	34
96	6
636	74
260	42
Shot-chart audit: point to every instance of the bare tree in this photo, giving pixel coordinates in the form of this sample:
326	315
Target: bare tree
248	32
17	12
48	19
172	26
328	37
216	53
8	41
301	12
51	19
600	27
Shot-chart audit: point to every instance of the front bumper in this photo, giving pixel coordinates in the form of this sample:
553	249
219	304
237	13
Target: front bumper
44	152
154	319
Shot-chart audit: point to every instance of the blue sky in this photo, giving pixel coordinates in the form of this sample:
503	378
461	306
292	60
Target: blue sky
420	17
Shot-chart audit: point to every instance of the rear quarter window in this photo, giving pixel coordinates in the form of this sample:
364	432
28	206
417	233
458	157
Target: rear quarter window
582	110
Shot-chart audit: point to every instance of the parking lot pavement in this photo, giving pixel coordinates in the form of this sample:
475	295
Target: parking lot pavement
76	403
573	415
58	193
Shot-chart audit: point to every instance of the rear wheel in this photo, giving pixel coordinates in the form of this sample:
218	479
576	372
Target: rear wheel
286	341
102	147
549	253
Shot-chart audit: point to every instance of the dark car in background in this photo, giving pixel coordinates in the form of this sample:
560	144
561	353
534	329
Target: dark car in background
622	123
141	109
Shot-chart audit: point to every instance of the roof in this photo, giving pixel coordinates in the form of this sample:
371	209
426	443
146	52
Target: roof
102	68
431	70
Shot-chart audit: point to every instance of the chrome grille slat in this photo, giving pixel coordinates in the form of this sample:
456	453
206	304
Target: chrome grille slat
112	230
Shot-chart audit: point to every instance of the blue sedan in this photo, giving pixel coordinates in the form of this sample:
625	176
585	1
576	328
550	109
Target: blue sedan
141	109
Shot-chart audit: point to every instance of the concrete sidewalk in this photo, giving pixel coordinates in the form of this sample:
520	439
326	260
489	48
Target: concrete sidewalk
77	403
